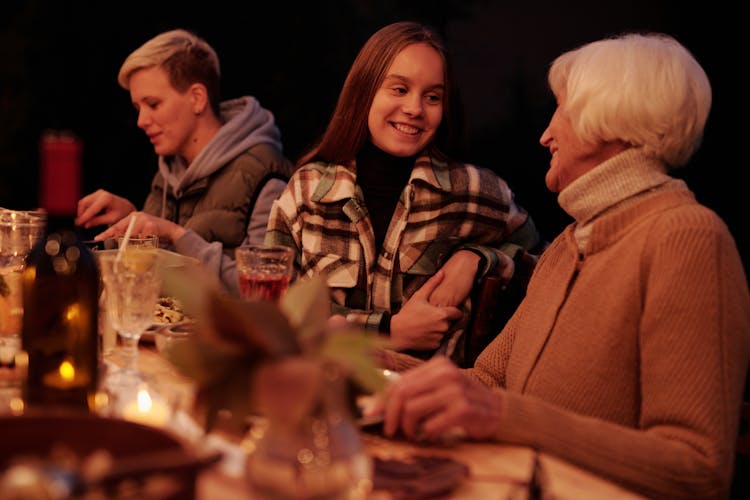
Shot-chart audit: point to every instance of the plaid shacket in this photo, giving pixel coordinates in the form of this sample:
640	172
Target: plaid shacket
445	206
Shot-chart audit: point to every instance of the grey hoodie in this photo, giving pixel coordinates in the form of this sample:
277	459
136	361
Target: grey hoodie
248	139
245	124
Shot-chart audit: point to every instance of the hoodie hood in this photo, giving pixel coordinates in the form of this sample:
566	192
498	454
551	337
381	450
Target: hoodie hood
245	124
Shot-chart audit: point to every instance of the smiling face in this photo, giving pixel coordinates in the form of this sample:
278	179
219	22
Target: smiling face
407	109
166	115
571	157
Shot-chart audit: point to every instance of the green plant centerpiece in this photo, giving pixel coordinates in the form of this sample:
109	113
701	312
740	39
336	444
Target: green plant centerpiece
286	364
236	342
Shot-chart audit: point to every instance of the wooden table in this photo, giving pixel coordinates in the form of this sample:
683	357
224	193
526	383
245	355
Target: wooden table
496	471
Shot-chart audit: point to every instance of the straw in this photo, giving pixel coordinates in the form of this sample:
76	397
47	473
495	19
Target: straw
126	237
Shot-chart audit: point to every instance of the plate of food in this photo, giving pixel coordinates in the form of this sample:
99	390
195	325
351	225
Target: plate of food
168	312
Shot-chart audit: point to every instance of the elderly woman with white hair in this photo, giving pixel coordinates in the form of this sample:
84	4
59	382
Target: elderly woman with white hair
629	353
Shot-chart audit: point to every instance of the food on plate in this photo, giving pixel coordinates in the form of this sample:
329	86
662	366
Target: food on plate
168	310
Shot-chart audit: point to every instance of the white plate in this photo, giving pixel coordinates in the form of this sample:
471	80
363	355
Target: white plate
149	335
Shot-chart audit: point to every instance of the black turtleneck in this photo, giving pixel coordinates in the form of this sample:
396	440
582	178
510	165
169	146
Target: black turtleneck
381	177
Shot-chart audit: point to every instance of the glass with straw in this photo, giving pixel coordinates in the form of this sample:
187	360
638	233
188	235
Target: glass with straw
131	286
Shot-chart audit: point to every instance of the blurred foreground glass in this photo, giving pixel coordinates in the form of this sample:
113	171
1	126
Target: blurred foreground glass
308	446
19	230
264	271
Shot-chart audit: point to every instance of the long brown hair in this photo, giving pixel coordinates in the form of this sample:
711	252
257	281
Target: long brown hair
347	131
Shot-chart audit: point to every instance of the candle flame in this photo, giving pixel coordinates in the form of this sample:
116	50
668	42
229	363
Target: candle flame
72	312
144	401
67	370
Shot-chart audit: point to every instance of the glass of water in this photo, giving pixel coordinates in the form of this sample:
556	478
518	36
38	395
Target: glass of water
19	231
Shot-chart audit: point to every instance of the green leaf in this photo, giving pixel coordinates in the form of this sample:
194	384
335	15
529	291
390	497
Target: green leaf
255	325
353	350
202	360
307	305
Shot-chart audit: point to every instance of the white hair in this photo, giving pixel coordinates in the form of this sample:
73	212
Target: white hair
644	89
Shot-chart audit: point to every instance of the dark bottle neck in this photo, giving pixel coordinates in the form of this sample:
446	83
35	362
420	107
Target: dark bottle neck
60	178
59	223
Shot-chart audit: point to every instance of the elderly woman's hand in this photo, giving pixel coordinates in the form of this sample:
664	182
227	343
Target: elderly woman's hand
435	401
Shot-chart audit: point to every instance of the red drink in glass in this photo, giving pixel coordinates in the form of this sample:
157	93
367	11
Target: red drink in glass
259	286
264	271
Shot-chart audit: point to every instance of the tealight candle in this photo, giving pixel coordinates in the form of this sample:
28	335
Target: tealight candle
67	376
147	410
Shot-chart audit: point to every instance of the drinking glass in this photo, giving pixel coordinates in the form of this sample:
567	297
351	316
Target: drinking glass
19	231
309	447
148	241
131	284
264	271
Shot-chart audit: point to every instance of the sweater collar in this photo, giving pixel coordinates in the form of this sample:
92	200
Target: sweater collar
624	176
376	168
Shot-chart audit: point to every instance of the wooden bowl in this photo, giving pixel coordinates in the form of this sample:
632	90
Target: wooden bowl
142	456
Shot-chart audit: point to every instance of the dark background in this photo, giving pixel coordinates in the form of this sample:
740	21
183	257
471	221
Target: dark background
59	63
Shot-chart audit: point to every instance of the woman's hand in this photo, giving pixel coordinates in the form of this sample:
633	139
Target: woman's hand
166	230
460	272
101	208
436	400
419	324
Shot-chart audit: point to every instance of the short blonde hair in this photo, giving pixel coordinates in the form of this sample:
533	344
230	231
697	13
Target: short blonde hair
644	89
185	57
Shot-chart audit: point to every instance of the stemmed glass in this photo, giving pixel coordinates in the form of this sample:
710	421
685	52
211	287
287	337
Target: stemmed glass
131	286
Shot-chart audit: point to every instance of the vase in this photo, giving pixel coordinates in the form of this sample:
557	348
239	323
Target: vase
307	445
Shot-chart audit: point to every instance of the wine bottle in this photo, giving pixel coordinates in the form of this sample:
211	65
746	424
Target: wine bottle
60	290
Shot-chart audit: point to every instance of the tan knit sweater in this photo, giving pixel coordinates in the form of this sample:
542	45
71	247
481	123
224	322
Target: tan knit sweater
629	358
